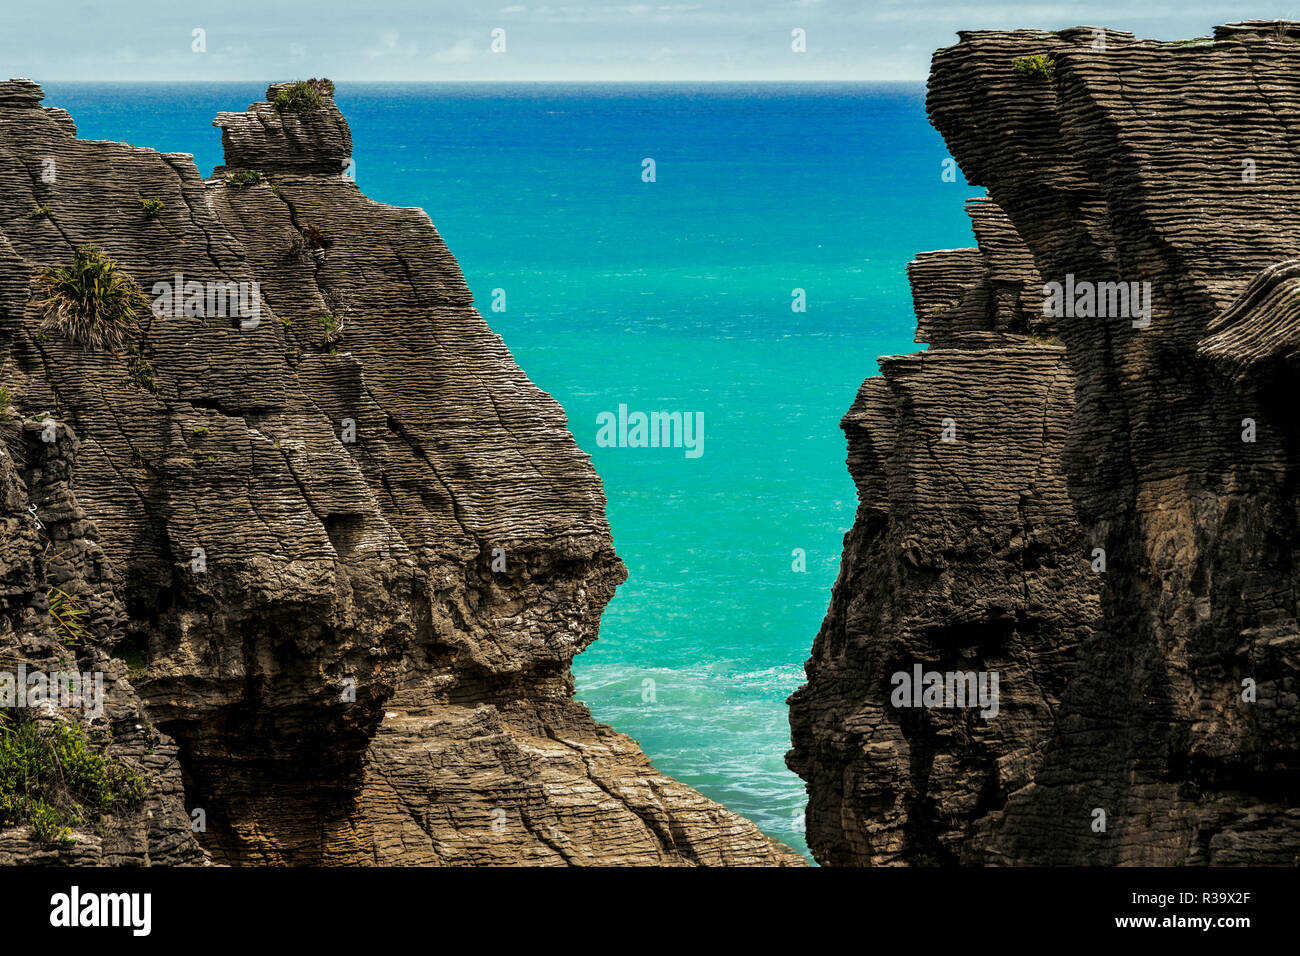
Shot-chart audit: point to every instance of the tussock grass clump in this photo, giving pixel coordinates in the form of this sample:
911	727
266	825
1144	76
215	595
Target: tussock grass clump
93	302
51	780
331	332
67	612
1036	67
302	96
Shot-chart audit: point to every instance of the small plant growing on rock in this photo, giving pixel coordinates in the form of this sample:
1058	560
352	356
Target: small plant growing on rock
201	432
51	780
315	237
140	372
93	302
338	301
131	652
136	668
38	211
302	96
332	332
152	207
298	98
137	456
67	612
1036	67
242	178
6	399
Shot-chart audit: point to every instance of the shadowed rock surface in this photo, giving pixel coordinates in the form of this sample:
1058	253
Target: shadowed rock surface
1161	691
354	545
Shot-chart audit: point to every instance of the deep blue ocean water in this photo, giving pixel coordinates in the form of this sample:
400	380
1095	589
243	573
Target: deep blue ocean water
670	295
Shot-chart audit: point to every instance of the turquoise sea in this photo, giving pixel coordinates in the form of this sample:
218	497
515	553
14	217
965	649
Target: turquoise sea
667	295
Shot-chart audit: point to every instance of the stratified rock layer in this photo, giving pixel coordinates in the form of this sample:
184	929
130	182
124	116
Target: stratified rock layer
47	542
1168	704
356	547
965	556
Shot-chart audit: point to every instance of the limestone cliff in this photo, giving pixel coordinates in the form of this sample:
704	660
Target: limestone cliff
1107	516
348	546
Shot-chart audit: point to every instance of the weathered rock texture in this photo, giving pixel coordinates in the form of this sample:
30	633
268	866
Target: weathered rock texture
282	524
1126	691
63	551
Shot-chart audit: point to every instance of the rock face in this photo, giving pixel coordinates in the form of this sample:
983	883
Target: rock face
355	547
61	549
1150	688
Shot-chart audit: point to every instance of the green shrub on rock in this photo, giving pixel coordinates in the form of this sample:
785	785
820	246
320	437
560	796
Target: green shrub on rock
1036	67
93	302
302	96
243	177
51	779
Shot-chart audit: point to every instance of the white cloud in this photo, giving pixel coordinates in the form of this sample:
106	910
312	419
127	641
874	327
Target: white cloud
391	47
462	51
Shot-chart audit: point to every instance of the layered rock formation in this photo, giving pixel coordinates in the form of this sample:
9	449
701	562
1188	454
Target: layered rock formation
58	547
354	546
1112	525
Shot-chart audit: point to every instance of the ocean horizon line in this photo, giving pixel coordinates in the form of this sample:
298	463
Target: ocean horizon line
408	83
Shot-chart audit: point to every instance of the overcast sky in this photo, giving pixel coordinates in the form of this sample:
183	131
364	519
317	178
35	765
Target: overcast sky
584	40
